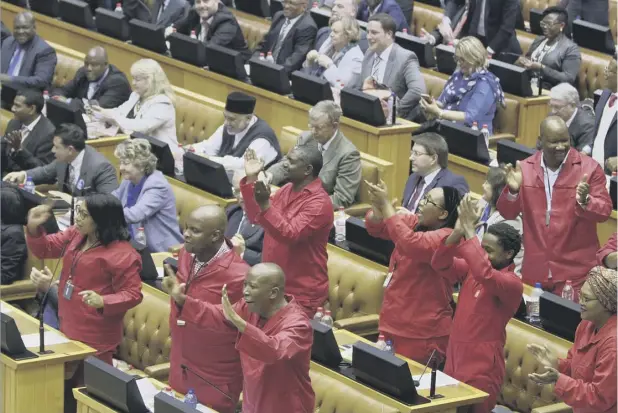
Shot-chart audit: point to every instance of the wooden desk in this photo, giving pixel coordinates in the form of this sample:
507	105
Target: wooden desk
37	385
389	143
454	396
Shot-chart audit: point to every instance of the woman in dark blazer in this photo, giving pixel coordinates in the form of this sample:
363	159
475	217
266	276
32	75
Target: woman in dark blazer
554	57
14	251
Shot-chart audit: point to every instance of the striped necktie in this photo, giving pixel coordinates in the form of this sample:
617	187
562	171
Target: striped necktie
376	67
14	65
279	43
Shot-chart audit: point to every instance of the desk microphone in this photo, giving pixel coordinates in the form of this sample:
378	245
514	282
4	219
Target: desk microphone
418	382
185	368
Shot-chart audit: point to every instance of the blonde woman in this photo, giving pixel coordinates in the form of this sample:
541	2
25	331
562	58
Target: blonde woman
472	93
150	108
339	58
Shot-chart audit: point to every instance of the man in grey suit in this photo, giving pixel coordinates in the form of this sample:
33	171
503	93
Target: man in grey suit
564	103
78	169
163	13
386	64
27	60
341	170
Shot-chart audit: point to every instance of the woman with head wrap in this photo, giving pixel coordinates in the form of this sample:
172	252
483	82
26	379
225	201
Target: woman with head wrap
416	312
586	379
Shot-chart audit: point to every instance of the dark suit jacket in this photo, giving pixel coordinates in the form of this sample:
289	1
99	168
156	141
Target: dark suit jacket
254	235
14	253
36	150
38	64
389	7
297	43
112	92
561	65
582	129
444	178
223	31
610	139
324	33
175	11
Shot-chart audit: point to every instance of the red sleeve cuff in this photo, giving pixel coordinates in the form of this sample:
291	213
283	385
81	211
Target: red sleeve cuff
560	386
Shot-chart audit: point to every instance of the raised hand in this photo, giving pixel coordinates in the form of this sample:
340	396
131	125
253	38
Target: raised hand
14	139
261	192
238	243
253	165
550	376
514	177
469	215
15	177
543	355
583	189
229	313
378	193
41	279
92	299
37	216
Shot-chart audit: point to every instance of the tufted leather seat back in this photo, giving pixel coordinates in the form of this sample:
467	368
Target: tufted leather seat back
65	69
146	339
518	392
197	117
5	117
526	5
425	17
187	199
333	396
253	32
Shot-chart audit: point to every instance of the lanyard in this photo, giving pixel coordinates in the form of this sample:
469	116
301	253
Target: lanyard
549	189
78	257
192	277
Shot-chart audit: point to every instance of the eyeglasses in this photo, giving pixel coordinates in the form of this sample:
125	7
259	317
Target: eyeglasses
416	154
426	200
545	25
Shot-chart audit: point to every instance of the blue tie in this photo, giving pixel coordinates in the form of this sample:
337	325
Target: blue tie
17	56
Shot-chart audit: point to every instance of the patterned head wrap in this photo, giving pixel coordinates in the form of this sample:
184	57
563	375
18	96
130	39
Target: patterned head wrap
603	283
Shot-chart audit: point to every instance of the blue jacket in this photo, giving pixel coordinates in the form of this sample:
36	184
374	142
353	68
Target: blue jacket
155	210
444	178
389	7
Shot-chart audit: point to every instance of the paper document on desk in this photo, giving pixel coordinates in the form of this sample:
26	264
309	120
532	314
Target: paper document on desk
6	310
441	381
148	392
51	338
160	273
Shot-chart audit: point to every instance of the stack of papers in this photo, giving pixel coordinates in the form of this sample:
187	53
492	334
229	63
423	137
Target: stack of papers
51	338
441	381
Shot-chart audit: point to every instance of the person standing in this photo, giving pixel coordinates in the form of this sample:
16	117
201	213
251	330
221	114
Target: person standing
604	148
296	221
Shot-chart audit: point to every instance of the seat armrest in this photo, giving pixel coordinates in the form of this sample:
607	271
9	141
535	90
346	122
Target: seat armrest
174	249
357	210
365	324
553	408
158	371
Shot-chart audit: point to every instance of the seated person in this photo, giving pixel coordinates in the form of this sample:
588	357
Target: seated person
14	250
607	256
240	131
604	145
341	8
96	80
214	23
27	59
291	35
150	108
146	196
246	236
341	171
368	8
429	159
564	103
78	168
553	56
160	12
29	135
339	59
472	93
386	63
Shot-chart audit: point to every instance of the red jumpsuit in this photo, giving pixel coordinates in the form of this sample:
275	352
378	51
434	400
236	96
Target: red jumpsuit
568	245
416	312
587	381
609	247
487	301
211	355
275	355
111	271
296	230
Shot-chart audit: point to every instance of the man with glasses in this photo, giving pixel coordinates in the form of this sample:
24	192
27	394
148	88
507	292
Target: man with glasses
241	130
605	131
291	35
562	197
564	103
429	159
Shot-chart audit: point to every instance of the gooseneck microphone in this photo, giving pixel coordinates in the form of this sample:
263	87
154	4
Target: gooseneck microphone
185	368
418	382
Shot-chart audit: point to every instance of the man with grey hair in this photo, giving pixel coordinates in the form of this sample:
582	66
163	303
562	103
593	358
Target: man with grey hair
341	171
564	103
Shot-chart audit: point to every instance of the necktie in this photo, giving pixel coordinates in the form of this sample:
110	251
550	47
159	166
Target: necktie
14	63
24	134
462	20
279	43
612	100
416	195
92	88
375	68
204	32
71	177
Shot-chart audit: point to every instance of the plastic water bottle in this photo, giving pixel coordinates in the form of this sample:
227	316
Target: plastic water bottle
179	160
262	56
140	237
389	111
319	314
381	343
327	319
168	390
191	398
389	347
475	125
193	35
534	315
118	8
405	31
29	185
567	292
314	5
270	58
45	99
340	225
485	132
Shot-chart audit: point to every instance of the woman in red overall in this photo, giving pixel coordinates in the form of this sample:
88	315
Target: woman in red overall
416	313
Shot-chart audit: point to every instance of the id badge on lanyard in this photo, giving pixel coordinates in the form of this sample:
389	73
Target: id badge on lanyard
67	293
389	276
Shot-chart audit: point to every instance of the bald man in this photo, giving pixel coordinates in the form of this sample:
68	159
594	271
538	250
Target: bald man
27	60
274	339
562	197
96	80
205	264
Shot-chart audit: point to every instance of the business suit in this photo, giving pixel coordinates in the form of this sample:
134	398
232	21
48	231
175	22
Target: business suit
296	44
174	12
389	7
593	11
111	92
402	76
38	64
610	144
442	179
324	33
14	253
97	173
223	31
253	234
561	64
36	150
581	129
341	169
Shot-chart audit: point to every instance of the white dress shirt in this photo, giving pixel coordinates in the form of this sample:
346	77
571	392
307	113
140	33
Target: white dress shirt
379	76
27	129
261	146
162	9
427	181
598	148
285	29
324	148
77	167
570	120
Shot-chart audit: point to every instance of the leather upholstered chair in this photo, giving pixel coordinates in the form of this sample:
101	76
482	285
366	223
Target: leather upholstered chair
66	68
197	116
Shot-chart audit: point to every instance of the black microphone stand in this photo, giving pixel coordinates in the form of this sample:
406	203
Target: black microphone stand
185	368
432	389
